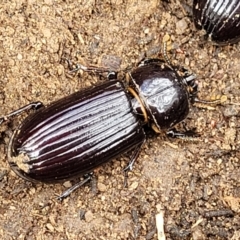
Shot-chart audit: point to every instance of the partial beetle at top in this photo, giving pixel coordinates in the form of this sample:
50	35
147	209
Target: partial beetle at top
219	18
76	134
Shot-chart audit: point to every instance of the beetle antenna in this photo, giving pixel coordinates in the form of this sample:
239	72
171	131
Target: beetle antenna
166	46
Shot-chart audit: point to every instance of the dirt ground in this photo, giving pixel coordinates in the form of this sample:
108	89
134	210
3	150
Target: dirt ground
195	184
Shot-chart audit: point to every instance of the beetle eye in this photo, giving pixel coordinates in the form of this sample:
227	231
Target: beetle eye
112	76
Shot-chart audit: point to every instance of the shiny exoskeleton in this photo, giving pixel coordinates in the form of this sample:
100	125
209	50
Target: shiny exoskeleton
219	18
163	92
75	135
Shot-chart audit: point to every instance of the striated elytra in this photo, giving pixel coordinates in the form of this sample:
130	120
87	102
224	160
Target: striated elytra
219	18
74	135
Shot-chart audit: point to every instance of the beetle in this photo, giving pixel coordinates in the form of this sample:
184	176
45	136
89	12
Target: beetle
76	134
219	18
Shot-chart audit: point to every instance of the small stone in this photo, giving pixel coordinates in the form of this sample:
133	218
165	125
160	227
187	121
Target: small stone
67	184
46	32
146	31
230	111
133	186
19	56
181	26
88	216
197	234
102	187
50	227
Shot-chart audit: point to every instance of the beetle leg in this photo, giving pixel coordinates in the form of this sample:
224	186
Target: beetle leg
90	69
34	106
111	75
66	193
69	62
133	158
188	135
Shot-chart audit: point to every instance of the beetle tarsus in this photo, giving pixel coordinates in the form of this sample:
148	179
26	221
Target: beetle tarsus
74	187
188	135
134	156
125	183
33	106
111	75
69	62
94	69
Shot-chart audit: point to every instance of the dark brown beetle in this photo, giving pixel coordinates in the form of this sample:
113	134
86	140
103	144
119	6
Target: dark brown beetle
75	135
219	18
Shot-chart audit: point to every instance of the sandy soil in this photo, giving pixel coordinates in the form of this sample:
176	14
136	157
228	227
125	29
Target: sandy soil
196	184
